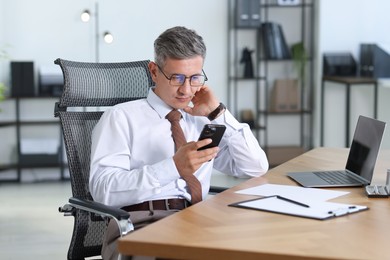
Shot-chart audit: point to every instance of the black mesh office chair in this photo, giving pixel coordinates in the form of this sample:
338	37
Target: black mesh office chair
89	87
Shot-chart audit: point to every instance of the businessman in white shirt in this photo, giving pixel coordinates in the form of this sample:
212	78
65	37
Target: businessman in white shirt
135	164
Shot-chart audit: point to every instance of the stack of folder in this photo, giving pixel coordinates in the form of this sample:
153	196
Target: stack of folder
274	42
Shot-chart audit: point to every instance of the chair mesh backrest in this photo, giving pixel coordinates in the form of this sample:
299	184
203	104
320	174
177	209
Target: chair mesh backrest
92	85
103	84
77	129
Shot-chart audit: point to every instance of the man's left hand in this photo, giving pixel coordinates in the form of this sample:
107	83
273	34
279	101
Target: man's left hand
204	102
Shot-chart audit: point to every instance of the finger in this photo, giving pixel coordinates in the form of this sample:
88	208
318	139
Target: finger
209	151
205	88
188	110
203	142
208	155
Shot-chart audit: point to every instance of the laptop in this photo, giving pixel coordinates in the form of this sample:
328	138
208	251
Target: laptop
361	161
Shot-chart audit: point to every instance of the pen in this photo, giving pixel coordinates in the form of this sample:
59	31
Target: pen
293	201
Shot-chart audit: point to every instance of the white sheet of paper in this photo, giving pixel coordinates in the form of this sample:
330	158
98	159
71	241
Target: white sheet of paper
317	210
297	193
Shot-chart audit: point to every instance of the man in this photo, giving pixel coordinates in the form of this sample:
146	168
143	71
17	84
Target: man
135	162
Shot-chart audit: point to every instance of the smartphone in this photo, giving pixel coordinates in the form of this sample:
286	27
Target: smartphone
213	131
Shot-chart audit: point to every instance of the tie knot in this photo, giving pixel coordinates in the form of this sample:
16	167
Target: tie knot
174	115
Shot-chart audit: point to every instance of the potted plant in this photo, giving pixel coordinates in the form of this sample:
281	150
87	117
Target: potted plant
299	56
3	56
2	90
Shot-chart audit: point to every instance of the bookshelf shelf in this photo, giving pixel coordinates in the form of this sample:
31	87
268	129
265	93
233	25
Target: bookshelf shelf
32	119
296	24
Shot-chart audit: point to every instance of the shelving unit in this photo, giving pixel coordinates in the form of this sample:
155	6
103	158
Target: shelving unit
33	118
283	135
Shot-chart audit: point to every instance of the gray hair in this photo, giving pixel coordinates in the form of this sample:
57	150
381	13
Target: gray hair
178	43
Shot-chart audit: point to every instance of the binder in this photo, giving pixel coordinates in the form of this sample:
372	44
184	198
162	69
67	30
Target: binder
366	60
255	14
374	61
320	210
274	42
247	13
381	61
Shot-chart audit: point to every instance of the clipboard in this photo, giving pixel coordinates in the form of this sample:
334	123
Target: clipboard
320	210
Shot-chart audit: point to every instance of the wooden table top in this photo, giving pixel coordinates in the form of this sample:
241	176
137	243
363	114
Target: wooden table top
350	80
213	230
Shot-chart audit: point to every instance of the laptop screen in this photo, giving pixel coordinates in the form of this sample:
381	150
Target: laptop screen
365	147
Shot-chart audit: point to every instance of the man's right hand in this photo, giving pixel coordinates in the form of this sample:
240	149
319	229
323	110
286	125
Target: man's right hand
188	159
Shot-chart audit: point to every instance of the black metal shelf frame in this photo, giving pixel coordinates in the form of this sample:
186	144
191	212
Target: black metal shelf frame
261	68
18	123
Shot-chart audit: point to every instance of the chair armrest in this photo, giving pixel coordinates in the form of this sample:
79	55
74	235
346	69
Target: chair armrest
99	208
121	217
216	189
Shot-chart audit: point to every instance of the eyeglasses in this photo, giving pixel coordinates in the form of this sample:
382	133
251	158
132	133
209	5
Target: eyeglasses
179	79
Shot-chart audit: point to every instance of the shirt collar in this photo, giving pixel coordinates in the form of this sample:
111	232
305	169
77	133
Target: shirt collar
160	106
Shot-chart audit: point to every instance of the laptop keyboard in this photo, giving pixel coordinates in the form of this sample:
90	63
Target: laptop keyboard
336	177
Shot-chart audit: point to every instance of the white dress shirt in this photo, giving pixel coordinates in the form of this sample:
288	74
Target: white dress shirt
132	150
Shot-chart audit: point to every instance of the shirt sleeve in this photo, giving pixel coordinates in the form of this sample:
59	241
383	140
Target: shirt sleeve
240	154
113	181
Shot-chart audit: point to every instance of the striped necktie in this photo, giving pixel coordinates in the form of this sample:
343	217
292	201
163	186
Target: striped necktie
178	137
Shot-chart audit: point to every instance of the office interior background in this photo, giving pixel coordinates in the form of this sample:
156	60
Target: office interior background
43	30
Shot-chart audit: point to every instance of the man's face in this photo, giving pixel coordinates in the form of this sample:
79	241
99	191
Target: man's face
176	96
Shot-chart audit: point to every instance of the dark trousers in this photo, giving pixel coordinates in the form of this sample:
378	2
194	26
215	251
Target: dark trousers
139	219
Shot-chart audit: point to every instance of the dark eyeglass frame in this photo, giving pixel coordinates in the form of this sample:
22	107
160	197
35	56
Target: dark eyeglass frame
185	77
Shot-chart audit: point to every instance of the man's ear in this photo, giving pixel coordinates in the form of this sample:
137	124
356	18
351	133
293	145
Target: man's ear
153	70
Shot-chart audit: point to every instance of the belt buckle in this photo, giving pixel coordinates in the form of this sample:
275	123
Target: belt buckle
169	208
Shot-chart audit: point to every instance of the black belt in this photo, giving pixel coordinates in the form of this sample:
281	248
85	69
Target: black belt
169	204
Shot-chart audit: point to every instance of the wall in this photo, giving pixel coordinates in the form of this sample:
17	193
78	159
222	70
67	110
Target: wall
44	30
343	25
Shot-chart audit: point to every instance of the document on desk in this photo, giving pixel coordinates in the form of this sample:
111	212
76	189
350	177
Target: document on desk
316	210
293	192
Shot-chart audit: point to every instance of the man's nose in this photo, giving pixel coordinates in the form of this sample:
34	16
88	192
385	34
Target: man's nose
186	87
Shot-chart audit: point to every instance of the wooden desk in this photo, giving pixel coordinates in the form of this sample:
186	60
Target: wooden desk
212	230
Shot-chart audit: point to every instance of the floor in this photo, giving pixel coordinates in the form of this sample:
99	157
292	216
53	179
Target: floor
31	226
